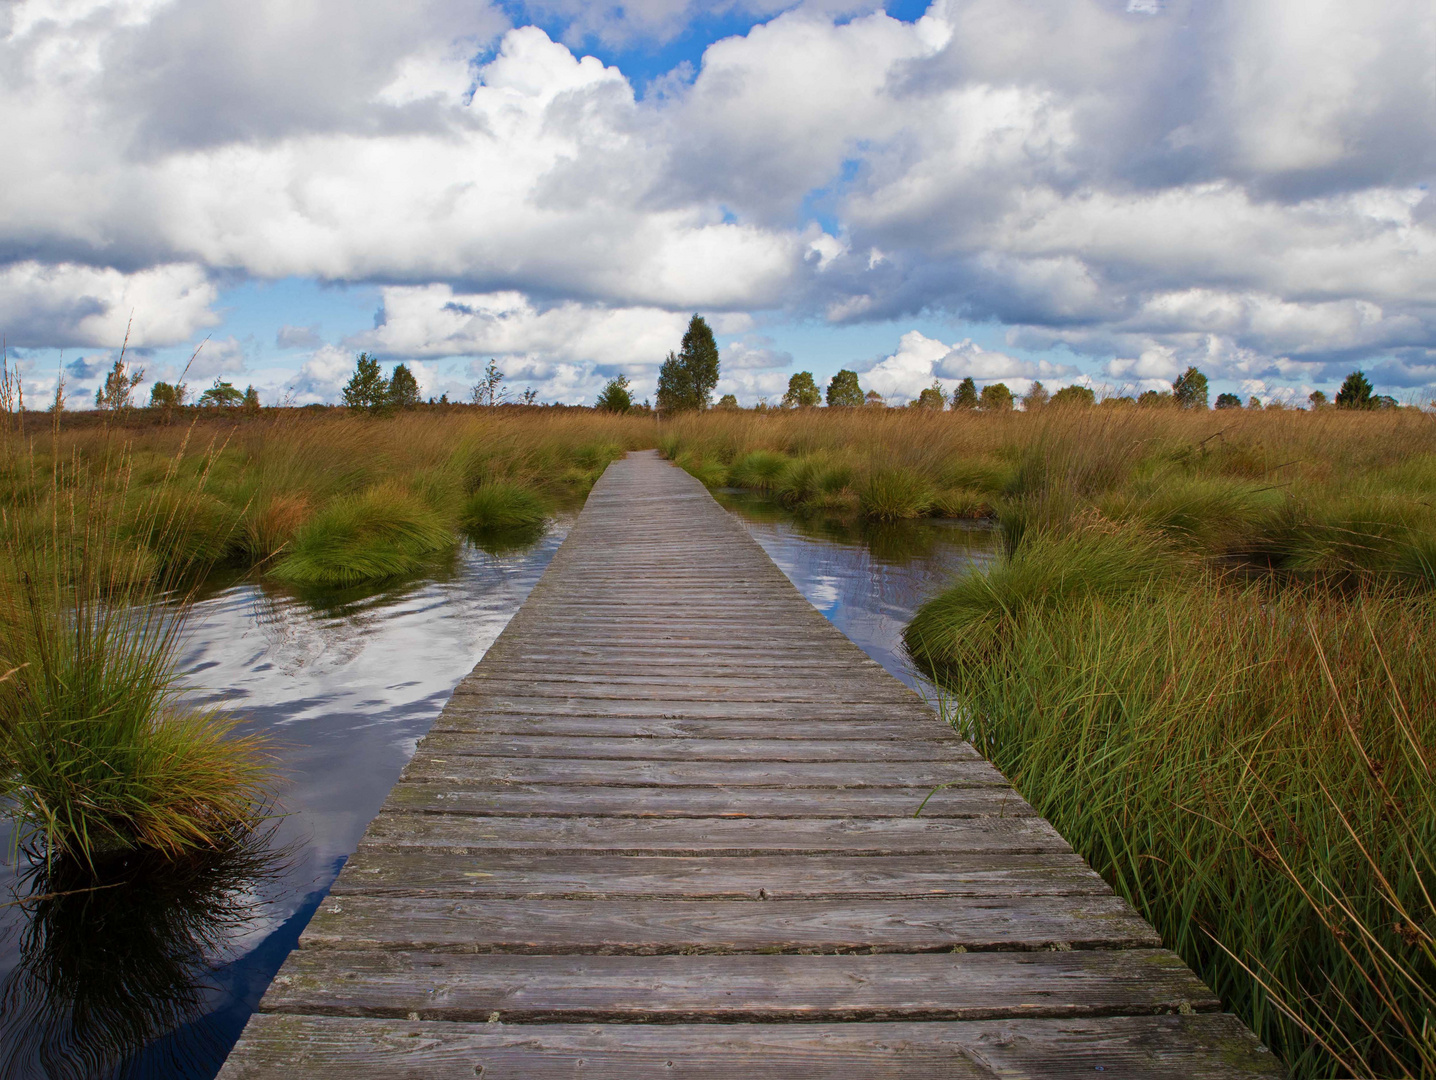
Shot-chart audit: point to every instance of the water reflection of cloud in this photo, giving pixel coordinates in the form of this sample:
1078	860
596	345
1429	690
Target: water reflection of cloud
823	591
344	685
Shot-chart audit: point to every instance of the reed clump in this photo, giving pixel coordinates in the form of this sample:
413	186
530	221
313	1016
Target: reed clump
99	753
502	505
382	532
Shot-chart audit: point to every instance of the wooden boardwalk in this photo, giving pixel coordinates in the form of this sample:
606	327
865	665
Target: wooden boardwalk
666	829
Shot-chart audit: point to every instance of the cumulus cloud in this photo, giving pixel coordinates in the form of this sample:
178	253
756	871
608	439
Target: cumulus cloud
322	375
69	305
754	353
435	321
1242	183
919	360
218	356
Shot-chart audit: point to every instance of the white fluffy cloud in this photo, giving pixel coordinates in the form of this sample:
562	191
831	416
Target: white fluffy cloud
66	304
1242	183
919	360
434	321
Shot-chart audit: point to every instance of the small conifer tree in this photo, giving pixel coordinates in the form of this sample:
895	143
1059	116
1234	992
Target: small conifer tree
965	396
616	396
844	391
119	386
686	381
1355	392
367	389
403	388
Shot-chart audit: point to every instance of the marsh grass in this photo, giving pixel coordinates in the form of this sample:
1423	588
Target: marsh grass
501	506
1324	494
1251	769
331	500
383	532
98	753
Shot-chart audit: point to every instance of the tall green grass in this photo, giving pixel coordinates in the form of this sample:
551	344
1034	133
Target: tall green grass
1248	762
1311	493
380	533
502	505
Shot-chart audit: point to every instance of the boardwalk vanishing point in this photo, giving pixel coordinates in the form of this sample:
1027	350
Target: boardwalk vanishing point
666	828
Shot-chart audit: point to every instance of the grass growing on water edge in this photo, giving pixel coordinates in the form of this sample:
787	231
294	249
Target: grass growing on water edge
99	754
1248	760
330	500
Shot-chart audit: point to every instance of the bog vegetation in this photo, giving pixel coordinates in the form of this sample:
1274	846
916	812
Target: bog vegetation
1205	655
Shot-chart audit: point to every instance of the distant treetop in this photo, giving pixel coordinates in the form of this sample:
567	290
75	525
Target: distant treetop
844	391
686	381
1189	389
616	397
965	396
802	391
1069	396
1355	392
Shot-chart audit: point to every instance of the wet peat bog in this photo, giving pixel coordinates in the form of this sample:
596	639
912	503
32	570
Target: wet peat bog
155	973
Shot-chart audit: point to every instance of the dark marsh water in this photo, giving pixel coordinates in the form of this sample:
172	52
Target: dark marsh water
155	975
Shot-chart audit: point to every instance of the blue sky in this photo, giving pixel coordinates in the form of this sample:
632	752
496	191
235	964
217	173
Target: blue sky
1094	191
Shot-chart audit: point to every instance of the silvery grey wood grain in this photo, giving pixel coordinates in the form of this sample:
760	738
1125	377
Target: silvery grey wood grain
1194	1047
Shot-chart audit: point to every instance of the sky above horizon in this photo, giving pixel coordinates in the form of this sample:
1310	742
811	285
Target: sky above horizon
1089	191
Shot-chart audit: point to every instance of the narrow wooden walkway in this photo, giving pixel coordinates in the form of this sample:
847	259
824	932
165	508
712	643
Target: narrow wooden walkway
666	828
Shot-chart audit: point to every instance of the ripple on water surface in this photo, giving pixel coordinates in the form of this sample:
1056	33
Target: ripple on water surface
155	975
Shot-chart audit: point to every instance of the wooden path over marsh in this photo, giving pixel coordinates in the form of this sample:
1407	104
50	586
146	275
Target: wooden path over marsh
666	829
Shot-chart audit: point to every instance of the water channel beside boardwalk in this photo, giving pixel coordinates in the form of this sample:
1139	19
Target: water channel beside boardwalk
346	683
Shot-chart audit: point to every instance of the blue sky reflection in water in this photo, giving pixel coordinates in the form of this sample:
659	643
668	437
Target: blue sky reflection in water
344	683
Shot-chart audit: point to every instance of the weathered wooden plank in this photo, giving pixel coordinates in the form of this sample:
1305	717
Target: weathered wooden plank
619	748
1202	1046
555	800
461	769
867	732
736	989
712	836
421	872
645	927
692	688
574	705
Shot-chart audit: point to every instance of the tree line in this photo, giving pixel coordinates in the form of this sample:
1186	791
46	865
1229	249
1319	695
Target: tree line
688	378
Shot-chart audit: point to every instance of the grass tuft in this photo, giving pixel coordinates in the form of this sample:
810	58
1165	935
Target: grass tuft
501	505
384	532
895	494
